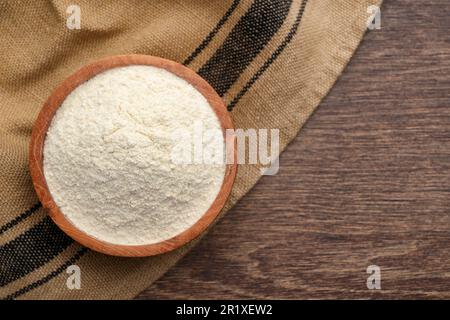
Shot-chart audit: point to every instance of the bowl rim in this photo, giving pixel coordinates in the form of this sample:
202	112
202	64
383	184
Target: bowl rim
44	119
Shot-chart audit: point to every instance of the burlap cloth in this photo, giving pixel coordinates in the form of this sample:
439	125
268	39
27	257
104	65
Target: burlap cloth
272	61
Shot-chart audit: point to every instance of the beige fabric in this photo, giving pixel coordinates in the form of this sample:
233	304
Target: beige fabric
38	52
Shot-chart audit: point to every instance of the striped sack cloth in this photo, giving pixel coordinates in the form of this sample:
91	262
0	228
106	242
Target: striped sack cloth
272	61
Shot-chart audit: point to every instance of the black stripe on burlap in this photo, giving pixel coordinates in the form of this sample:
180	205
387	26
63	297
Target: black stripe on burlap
49	276
250	35
213	32
20	218
271	59
31	250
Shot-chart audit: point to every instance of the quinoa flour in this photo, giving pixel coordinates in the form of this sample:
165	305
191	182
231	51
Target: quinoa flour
107	156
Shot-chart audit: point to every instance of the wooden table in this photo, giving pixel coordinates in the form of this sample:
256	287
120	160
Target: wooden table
366	182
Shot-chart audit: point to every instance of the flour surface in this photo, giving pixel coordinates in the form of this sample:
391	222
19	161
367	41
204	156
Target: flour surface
107	156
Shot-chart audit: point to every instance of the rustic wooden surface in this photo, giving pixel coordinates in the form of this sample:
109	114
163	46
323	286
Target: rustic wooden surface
366	182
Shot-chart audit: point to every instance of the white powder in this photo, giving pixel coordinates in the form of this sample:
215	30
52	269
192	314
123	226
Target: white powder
107	156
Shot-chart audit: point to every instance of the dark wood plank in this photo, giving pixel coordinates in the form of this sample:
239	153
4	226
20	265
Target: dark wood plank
367	181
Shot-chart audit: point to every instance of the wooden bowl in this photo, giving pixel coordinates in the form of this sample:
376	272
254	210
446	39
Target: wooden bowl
43	122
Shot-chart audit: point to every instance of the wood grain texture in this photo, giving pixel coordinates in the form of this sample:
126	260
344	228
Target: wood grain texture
366	182
45	118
